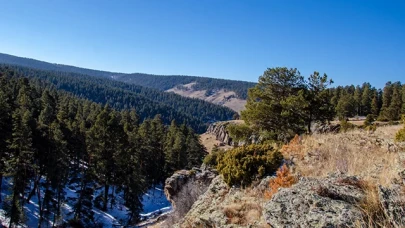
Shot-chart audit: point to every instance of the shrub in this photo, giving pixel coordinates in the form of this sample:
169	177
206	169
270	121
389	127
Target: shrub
400	136
284	179
345	126
241	165
212	158
369	120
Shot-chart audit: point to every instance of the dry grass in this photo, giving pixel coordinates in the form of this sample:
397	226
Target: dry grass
372	157
209	141
243	213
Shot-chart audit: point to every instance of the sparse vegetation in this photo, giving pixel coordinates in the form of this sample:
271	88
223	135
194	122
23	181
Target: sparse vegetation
353	153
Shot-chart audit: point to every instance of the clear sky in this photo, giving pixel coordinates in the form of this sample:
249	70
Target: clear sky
352	41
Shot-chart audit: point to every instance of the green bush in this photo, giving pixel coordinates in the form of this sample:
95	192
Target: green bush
240	166
400	136
369	120
212	158
346	126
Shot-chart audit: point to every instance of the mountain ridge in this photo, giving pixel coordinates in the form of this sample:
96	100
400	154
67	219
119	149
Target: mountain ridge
160	82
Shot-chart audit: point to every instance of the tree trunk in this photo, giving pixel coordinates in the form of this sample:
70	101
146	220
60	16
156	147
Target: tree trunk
34	189
106	188
1	185
40	207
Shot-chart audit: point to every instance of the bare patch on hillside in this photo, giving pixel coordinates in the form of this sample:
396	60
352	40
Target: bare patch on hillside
219	97
209	141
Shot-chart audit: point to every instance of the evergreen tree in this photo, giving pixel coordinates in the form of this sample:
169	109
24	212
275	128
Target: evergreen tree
5	128
357	96
394	109
20	164
386	101
366	99
346	106
264	108
403	100
375	106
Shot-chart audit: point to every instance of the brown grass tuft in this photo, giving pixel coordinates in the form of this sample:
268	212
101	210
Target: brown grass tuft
243	213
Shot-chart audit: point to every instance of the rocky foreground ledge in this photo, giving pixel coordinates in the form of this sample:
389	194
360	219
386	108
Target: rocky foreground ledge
312	202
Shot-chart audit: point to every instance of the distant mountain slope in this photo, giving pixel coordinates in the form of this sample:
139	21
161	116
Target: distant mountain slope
41	65
216	96
200	83
160	82
146	101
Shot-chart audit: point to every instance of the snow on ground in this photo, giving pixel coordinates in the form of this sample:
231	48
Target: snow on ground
154	203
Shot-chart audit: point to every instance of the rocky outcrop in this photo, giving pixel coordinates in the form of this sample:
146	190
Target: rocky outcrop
221	134
326	128
185	186
316	202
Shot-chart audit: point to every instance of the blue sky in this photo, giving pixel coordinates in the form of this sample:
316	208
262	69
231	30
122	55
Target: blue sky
352	41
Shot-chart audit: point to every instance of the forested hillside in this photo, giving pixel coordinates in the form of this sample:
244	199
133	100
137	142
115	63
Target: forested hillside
146	101
51	142
202	83
159	82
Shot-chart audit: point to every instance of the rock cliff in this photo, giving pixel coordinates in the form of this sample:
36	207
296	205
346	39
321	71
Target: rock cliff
219	130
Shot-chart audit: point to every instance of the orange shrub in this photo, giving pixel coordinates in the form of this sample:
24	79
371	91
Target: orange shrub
293	148
284	179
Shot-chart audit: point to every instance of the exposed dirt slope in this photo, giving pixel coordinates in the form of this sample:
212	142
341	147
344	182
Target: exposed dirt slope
220	97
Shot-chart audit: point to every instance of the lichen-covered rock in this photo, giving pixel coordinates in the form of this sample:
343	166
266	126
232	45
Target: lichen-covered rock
187	182
214	208
393	203
326	128
316	202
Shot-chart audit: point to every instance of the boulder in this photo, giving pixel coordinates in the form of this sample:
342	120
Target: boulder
314	202
393	203
186	183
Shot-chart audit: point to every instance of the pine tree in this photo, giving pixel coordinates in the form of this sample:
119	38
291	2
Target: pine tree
20	164
375	106
346	106
103	145
5	129
264	108
129	173
357	100
366	99
170	153
386	101
195	151
403	99
394	109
